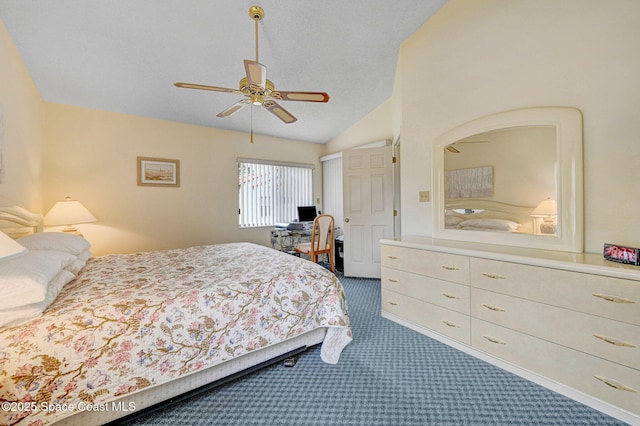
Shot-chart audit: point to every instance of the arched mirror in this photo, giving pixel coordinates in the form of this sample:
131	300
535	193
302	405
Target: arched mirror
513	178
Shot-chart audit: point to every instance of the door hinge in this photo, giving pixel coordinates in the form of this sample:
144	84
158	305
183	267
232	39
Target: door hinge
394	160
395	212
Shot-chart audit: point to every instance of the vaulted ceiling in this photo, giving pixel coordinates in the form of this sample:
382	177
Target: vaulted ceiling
125	55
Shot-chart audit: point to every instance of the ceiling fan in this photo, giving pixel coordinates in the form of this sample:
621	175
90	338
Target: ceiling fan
452	149
256	89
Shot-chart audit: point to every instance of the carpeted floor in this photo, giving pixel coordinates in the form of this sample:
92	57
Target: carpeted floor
388	375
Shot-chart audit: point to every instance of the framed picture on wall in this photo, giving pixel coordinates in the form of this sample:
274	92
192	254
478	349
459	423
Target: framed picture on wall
158	172
469	183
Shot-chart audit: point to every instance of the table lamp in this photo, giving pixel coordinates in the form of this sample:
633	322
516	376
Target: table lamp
547	210
68	212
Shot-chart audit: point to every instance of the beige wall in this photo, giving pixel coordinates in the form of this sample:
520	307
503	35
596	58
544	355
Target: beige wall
475	58
523	161
91	156
375	126
21	103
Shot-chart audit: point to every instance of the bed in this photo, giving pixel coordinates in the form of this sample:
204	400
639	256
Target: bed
125	332
476	214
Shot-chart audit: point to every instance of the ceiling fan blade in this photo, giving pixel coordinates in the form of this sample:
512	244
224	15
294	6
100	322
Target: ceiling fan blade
203	87
301	96
279	112
256	73
234	108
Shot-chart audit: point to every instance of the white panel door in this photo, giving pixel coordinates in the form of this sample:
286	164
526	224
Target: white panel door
368	208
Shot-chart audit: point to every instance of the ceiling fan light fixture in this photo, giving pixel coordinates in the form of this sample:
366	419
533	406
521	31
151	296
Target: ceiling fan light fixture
256	89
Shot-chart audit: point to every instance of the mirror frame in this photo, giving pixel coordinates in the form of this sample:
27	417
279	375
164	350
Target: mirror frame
569	175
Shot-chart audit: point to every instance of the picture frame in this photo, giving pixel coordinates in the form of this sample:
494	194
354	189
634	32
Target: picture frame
474	182
158	172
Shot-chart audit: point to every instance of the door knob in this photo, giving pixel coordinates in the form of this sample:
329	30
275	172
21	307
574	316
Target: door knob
346	220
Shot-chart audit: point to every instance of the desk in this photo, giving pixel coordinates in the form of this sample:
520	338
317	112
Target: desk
285	240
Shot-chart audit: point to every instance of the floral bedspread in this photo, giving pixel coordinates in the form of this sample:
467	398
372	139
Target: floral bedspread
132	321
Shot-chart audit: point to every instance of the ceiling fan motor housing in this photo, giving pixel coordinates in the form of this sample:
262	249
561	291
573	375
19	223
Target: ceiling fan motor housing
256	13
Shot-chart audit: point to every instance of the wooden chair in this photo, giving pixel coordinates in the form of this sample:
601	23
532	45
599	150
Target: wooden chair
321	240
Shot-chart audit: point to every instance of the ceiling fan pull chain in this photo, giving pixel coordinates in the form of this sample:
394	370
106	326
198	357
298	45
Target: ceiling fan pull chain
251	137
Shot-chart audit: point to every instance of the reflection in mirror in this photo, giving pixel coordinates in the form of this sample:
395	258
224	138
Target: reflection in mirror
513	178
489	171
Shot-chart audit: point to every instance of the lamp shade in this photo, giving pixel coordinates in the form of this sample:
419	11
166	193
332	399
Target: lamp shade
9	247
68	212
545	208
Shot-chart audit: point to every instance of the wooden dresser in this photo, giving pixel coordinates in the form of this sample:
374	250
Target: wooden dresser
570	322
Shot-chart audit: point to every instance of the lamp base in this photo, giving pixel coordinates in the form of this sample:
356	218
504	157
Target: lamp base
547	228
71	230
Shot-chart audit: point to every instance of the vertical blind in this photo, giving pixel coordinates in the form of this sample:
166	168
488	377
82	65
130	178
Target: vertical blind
269	193
332	189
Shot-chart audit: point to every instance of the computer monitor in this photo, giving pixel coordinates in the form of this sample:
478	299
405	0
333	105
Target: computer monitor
307	213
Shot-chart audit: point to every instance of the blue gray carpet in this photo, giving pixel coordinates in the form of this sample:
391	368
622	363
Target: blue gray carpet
388	375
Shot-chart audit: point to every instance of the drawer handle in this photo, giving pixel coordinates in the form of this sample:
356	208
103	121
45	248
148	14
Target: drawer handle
613	299
614	341
391	280
493	308
450	296
493	276
392	303
615	384
492	340
450	324
450	268
392	257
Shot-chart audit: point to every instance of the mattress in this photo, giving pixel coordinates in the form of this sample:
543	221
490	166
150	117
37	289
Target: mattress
129	323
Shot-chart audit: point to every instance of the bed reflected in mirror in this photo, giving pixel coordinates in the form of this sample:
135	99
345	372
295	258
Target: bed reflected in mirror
513	178
495	180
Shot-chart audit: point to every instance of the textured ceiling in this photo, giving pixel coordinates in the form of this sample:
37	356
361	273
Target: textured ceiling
125	55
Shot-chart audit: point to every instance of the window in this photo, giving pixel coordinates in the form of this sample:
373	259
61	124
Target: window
270	192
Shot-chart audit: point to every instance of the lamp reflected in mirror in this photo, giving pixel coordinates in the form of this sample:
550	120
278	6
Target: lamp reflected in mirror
548	211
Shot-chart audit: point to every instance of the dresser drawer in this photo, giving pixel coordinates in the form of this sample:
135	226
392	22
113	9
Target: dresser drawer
449	267
607	297
444	321
438	292
595	376
609	339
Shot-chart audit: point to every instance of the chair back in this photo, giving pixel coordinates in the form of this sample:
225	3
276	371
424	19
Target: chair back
322	233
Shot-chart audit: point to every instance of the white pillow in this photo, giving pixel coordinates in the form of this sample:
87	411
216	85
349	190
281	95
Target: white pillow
452	220
17	315
55	287
495	224
60	241
24	279
81	260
